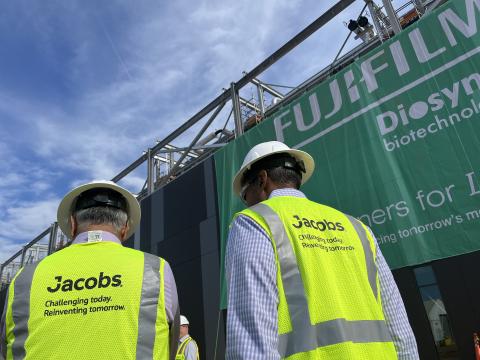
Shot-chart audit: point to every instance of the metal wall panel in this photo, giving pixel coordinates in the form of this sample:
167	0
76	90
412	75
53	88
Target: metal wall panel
417	316
457	278
179	223
457	281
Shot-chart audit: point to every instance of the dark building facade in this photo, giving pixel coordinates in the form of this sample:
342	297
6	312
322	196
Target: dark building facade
452	284
180	223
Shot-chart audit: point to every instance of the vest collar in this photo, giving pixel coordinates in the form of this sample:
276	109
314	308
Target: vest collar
183	338
102	235
287	192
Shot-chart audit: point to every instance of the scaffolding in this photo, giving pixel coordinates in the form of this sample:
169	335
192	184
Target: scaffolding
165	162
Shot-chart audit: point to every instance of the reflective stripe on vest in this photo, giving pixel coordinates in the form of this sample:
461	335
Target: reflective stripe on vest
369	260
147	315
305	337
21	309
148	327
183	346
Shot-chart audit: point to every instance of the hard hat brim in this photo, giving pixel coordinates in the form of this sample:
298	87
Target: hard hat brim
297	154
66	206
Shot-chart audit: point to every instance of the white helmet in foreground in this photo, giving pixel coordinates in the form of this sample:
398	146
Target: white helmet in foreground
268	148
67	205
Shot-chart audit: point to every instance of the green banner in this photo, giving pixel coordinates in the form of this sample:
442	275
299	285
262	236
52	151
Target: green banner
395	137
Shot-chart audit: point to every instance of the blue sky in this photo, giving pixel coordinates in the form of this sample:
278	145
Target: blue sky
86	86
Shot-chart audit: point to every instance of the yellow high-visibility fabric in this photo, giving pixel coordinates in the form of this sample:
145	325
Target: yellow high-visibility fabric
10	337
183	346
332	264
162	331
85	302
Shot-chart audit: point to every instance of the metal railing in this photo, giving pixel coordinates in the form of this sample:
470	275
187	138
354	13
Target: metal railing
165	162
35	250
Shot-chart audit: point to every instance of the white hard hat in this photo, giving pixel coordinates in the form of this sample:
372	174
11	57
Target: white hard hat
184	320
67	205
268	148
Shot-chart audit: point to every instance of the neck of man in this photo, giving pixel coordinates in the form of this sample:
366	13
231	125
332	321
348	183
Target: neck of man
100	227
271	186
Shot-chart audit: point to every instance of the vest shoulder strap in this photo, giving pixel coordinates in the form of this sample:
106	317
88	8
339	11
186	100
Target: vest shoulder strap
183	345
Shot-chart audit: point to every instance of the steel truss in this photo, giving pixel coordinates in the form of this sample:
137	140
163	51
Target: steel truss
165	161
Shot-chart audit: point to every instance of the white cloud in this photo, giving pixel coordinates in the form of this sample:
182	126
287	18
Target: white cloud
21	224
133	80
28	219
8	248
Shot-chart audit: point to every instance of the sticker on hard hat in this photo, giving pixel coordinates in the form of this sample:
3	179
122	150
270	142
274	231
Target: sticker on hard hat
102	281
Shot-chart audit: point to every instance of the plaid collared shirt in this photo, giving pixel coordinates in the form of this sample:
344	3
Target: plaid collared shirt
252	324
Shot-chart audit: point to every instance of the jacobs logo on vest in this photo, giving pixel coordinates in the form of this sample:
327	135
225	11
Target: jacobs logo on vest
89	283
320	225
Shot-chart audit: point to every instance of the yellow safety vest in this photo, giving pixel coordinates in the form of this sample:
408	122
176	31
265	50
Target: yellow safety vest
89	301
329	299
183	346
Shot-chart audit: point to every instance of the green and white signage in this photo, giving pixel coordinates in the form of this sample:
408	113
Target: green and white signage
395	137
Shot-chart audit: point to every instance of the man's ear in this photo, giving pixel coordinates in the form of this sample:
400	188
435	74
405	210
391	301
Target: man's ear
73	230
262	178
124	231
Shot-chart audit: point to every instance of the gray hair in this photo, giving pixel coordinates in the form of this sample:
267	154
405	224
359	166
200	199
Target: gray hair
101	215
284	176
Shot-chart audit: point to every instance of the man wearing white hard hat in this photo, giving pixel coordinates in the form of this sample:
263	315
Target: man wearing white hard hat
305	281
94	299
187	347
